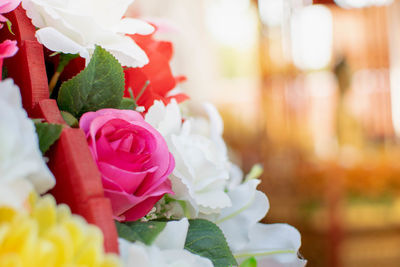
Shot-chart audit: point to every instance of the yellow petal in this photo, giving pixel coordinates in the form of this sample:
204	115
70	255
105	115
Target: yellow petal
63	245
44	212
10	260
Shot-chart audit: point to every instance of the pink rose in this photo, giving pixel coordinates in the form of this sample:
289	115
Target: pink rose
7	6
133	159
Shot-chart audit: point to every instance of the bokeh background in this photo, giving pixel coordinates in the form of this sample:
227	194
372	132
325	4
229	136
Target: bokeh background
311	90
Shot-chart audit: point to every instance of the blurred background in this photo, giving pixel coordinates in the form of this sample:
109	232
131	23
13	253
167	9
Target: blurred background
311	90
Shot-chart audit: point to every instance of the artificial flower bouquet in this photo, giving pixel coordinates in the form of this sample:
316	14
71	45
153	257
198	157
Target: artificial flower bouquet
106	115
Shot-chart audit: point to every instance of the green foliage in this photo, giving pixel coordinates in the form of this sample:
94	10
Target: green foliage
70	119
250	262
47	134
145	232
9	26
204	238
100	85
64	60
127	103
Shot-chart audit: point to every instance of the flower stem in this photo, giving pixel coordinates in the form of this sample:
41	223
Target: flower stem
142	91
1	69
266	253
53	81
63	62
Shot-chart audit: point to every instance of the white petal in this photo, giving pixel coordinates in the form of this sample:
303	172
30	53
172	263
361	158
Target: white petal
235	177
134	26
155	116
20	157
42	178
184	190
33	14
10	94
166	119
126	51
248	207
183	258
201	168
173	236
216	122
212	201
139	255
278	241
247	202
133	254
15	193
56	41
270	262
211	128
80	25
108	11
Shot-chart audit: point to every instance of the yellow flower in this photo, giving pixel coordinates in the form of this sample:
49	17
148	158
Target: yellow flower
47	235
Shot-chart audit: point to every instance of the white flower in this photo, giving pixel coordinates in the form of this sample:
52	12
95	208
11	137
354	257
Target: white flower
271	262
166	119
166	251
15	193
76	26
248	207
20	157
201	163
271	244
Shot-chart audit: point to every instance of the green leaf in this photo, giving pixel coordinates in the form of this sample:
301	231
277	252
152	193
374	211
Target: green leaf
47	134
250	262
70	119
64	60
204	238
145	232
37	120
127	103
9	26
100	85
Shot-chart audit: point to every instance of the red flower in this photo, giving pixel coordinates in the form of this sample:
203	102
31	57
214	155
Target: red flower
157	72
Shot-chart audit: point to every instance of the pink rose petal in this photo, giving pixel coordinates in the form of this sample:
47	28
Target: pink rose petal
8	48
9	5
130	207
129	181
133	158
